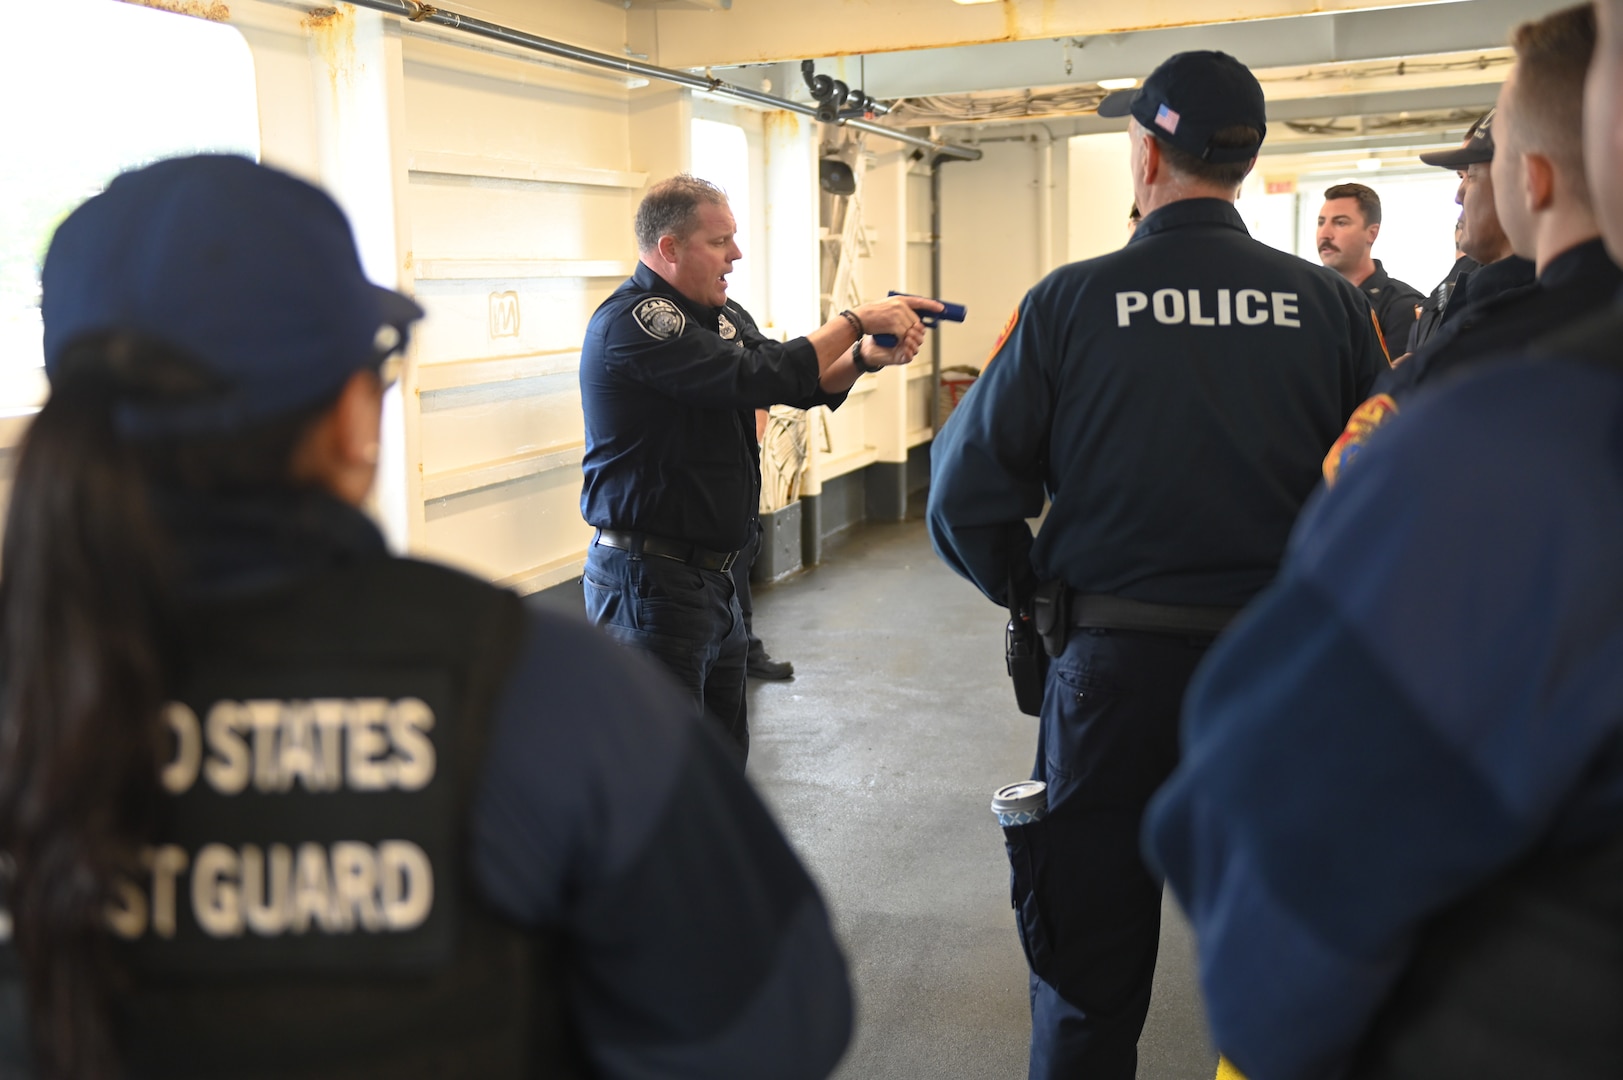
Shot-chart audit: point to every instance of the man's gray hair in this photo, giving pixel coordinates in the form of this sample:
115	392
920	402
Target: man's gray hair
671	208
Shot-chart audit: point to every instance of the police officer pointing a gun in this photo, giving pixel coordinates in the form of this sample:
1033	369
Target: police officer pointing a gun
671	374
1172	402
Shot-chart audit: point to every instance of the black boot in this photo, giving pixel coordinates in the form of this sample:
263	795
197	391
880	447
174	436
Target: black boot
762	666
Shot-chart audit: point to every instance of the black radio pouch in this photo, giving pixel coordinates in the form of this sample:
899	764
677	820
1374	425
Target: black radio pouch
1024	655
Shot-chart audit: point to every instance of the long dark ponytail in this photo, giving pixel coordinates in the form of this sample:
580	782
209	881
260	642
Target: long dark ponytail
87	660
84	622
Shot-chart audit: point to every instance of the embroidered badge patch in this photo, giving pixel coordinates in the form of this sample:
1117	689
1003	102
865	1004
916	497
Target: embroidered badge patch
728	330
1360	426
659	318
1008	328
1166	119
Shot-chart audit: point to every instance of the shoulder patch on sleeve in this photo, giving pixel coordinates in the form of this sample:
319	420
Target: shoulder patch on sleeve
1008	328
1364	422
659	318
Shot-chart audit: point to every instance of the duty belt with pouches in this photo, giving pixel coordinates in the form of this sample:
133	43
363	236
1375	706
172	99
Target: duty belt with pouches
1057	610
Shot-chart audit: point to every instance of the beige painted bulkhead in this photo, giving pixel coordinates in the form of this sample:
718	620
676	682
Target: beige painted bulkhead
499	190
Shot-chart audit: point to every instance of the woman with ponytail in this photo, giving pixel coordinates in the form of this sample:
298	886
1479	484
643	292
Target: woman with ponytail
276	803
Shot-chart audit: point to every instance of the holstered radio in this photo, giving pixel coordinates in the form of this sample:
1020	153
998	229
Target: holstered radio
1037	628
1027	661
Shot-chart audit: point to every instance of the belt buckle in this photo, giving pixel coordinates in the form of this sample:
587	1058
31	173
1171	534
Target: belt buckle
727	563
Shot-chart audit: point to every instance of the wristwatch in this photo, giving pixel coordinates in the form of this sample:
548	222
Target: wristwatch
856	358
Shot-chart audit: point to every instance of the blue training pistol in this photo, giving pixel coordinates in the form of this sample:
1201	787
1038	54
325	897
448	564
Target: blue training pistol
950	312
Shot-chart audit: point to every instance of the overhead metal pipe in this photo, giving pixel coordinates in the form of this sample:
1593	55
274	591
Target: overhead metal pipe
426	13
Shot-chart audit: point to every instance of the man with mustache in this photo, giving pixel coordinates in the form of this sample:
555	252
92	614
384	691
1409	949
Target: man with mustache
1349	222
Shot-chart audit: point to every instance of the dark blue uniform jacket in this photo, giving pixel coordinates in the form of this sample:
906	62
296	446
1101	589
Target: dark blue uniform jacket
1395	304
1429	690
670	389
1433	308
1173	400
1507	316
695	944
1574	284
1481	284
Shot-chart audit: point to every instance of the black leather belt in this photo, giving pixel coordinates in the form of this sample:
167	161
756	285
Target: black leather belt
660	547
1118	613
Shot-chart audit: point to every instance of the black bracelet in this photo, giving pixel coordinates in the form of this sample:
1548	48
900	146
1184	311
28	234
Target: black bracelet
856	359
856	322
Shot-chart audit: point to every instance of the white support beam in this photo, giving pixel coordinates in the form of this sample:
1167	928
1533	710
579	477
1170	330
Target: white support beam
768	30
1475	96
1391	33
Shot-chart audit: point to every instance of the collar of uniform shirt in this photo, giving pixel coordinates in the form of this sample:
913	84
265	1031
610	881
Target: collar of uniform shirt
1380	279
703	314
1481	285
1190	212
1588	259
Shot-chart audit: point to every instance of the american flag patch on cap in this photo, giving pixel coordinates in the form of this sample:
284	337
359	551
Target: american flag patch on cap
1167	119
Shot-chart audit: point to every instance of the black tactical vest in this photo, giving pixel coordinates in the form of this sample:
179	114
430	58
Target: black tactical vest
306	909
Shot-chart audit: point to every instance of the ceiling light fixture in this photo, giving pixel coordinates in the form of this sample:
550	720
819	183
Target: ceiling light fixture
1369	164
1114	84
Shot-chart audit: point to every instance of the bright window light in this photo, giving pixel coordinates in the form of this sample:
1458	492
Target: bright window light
1269	217
92	88
721	156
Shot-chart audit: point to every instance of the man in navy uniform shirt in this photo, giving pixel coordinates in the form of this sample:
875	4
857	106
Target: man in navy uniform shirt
1172	401
1396	825
1349	222
671	374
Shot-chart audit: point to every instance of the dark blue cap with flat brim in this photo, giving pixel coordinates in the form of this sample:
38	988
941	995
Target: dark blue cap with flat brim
1190	98
250	273
1477	149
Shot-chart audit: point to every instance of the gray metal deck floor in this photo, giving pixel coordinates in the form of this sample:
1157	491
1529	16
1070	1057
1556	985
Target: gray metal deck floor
879	758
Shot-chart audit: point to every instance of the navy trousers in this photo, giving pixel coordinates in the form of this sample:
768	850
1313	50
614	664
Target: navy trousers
1087	908
686	618
741	584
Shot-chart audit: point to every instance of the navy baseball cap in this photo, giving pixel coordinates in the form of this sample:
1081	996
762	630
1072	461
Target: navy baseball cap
1192	96
250	273
1475	150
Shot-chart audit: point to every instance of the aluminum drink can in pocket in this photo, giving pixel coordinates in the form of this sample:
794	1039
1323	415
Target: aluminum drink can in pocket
1020	804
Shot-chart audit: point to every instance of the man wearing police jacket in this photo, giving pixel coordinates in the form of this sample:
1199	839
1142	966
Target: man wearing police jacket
1172	402
1398	825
